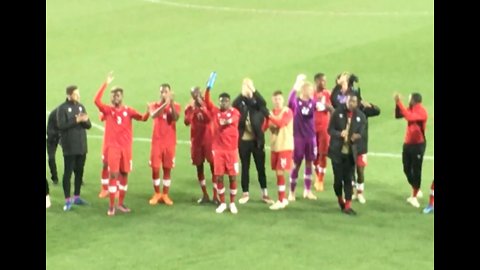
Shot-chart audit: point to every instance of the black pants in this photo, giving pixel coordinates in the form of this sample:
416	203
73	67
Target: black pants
48	189
246	149
75	164
52	144
412	159
342	175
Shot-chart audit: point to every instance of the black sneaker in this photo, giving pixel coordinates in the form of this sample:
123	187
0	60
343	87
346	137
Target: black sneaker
349	211
55	180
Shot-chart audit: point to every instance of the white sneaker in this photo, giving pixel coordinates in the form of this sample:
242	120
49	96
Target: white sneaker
291	196
244	199
278	205
221	208
307	194
361	198
419	194
354	196
233	208
48	201
413	201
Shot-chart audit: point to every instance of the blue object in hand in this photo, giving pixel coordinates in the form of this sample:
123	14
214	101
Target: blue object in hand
211	80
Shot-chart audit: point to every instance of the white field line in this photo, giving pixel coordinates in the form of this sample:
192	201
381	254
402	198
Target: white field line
295	12
183	142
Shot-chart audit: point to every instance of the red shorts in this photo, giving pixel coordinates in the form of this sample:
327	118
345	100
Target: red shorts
119	160
225	162
323	140
362	160
281	160
162	157
201	153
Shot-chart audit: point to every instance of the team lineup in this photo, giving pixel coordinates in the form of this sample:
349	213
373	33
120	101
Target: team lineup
316	123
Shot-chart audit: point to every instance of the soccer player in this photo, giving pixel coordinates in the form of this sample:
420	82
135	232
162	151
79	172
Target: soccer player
280	124
305	145
370	110
198	118
118	142
414	143
345	128
253	112
323	108
429	209
73	121
53	139
165	114
225	147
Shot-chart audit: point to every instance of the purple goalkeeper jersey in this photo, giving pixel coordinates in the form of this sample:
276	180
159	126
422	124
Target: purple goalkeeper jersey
303	122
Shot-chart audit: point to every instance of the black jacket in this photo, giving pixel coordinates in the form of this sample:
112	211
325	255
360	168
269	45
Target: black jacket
53	133
257	107
73	134
369	112
338	122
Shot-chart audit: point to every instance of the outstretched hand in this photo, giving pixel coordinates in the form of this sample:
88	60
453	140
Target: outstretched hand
110	77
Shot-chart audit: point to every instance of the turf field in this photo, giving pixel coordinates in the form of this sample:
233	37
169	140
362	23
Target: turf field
389	44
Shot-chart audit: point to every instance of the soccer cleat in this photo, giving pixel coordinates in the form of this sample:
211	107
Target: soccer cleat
279	205
307	194
291	196
103	194
156	198
419	194
267	199
233	208
349	211
167	199
428	209
123	208
319	186
111	211
80	201
48	201
361	198
68	205
203	200
221	208
244	199
413	201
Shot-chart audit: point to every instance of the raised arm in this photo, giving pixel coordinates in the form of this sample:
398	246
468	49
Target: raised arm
410	115
98	97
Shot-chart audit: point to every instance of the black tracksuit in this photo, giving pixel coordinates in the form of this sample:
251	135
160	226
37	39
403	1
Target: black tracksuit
74	143
256	108
53	139
343	164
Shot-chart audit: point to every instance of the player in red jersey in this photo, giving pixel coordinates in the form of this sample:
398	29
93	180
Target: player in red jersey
117	142
225	147
323	108
165	114
198	118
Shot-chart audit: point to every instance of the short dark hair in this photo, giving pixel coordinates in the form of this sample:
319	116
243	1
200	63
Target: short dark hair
165	85
277	92
416	97
224	95
318	76
117	89
70	89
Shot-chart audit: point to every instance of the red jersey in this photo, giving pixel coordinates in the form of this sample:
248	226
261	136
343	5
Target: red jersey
164	127
201	128
225	137
417	122
118	122
322	114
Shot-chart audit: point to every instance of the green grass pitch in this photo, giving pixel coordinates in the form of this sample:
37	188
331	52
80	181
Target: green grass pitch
389	44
